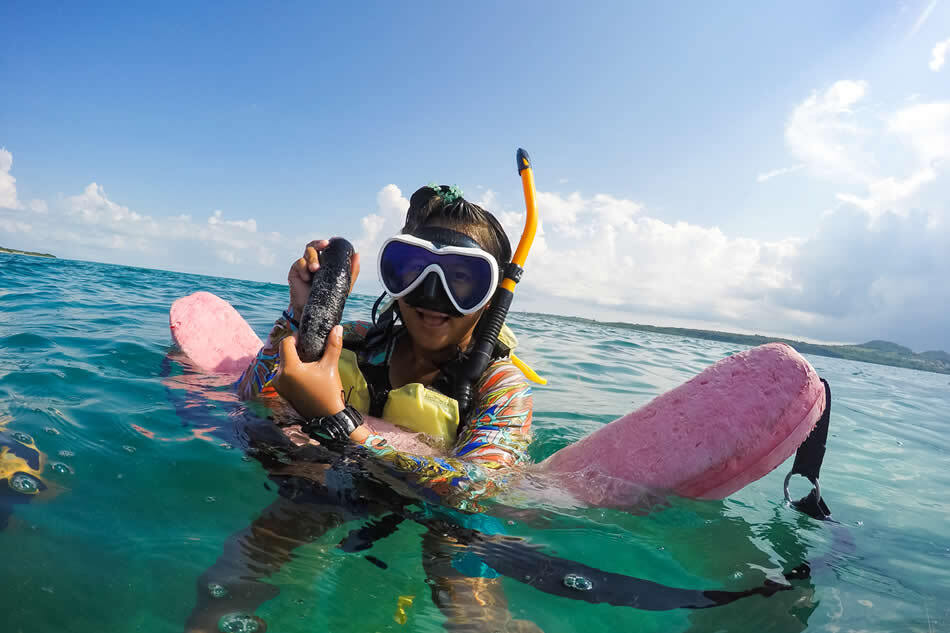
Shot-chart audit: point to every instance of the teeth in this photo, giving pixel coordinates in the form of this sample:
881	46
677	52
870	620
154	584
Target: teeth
432	318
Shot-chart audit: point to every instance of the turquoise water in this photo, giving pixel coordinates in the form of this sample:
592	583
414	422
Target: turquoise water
138	508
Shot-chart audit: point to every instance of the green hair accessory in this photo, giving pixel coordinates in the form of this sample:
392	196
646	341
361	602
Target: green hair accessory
450	194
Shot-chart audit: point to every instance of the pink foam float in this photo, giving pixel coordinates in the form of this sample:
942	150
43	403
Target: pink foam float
725	428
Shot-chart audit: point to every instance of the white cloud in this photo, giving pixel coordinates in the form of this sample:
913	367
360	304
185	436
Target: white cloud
388	219
824	133
603	249
90	225
605	257
891	157
881	280
926	128
8	225
216	219
92	206
939	54
769	175
883	194
8	197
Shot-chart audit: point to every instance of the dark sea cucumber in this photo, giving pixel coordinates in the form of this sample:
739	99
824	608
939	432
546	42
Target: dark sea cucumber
328	292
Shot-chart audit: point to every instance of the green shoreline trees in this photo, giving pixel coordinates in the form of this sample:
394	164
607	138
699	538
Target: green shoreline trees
876	352
31	253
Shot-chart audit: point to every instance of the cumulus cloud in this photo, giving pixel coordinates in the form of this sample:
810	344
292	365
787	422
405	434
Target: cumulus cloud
607	258
926	128
8	195
939	54
890	157
886	280
387	220
603	250
217	219
8	225
824	133
608	251
92	225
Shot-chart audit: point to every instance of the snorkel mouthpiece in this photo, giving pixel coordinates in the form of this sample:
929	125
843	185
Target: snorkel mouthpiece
431	295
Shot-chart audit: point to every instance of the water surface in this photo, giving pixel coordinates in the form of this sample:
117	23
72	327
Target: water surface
131	520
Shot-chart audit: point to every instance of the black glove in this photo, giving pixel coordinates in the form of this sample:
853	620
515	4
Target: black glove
334	428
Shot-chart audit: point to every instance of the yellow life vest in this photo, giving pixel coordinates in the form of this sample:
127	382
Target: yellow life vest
412	406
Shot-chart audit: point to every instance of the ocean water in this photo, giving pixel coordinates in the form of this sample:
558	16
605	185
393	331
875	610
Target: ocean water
138	505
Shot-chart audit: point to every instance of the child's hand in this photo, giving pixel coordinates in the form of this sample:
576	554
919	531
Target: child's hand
313	389
302	270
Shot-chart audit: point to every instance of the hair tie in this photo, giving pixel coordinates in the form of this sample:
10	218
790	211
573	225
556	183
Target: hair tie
448	193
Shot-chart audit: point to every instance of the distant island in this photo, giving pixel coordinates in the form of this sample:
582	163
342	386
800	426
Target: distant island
16	252
877	352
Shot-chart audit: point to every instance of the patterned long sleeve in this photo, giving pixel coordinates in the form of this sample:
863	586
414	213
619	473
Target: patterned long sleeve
256	379
493	442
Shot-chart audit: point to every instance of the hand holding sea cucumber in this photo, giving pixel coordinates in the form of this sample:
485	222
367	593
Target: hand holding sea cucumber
301	272
312	389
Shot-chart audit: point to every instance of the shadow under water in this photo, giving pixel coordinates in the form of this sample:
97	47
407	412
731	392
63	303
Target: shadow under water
464	556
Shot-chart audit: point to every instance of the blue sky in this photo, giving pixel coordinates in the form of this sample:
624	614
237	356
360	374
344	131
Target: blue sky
778	169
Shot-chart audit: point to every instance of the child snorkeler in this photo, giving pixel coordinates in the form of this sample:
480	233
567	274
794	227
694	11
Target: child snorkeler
441	272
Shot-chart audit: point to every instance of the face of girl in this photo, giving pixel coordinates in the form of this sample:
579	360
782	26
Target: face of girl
435	331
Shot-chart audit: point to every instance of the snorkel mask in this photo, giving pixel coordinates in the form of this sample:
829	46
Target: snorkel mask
438	269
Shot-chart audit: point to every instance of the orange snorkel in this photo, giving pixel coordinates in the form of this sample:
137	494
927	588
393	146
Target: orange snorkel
489	326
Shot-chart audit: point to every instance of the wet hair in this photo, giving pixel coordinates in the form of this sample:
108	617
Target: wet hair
427	208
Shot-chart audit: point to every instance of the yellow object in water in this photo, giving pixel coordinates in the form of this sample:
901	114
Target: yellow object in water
21	463
403	603
529	373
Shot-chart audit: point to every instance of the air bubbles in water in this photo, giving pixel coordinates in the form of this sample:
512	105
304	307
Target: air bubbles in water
210	499
62	468
226	445
245	458
217	591
20	436
128	449
52	430
577	582
66	453
24	483
240	623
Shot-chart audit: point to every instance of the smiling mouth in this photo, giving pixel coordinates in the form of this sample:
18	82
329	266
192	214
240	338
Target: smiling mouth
431	318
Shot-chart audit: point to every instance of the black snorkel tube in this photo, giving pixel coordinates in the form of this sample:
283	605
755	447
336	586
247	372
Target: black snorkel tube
489	326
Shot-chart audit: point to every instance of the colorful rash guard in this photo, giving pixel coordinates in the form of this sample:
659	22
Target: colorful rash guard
489	447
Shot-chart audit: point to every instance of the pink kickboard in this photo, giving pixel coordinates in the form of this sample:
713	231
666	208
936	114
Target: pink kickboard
723	429
212	333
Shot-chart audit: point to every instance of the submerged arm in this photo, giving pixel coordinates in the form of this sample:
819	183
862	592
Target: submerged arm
493	441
